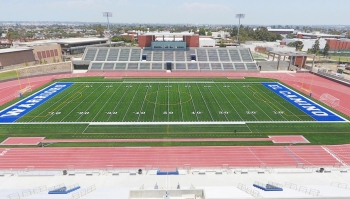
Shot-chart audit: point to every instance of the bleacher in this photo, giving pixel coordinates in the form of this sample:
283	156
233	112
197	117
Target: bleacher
193	59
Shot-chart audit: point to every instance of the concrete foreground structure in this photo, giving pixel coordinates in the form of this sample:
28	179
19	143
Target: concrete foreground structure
219	183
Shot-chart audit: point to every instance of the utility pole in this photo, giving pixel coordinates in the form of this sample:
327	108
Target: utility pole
239	16
108	14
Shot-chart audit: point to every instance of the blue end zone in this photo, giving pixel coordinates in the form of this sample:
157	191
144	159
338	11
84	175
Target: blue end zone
314	110
14	112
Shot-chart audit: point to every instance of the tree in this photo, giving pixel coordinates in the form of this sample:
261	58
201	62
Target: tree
290	36
201	31
297	44
219	35
222	44
316	47
326	50
209	33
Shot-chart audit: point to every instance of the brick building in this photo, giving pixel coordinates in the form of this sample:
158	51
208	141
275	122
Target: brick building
171	40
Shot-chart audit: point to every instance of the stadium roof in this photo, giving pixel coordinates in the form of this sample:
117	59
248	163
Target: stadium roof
62	41
290	53
169	33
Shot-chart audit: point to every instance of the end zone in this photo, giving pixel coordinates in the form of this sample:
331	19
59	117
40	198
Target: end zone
309	107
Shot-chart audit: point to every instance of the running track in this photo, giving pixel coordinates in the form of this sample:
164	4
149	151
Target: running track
173	157
167	157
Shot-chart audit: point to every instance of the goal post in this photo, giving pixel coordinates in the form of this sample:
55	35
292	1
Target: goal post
329	100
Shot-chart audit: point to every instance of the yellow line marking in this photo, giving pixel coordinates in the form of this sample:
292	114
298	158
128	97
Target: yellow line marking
65	102
273	104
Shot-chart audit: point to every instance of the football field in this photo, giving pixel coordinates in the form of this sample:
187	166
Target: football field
166	102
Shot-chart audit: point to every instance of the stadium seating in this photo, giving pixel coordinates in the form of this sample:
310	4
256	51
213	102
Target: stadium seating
193	59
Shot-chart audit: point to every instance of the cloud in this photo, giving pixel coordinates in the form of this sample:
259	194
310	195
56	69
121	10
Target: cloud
205	7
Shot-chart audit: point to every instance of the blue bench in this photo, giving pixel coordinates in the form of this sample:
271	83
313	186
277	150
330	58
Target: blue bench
268	187
167	172
63	190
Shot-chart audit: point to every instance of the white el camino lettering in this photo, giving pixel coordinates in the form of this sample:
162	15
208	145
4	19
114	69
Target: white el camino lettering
275	87
311	108
285	93
319	113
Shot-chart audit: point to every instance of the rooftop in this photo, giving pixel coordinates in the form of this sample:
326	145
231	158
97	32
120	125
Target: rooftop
62	41
11	50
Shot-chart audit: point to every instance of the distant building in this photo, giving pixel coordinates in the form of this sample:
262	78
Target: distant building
308	43
281	31
206	42
15	56
69	46
317	35
339	44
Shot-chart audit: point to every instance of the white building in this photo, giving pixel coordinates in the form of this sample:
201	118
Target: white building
308	43
206	42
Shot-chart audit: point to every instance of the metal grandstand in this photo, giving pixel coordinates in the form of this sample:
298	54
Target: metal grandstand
192	59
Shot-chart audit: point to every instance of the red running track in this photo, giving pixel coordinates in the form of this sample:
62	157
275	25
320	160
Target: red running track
303	82
164	157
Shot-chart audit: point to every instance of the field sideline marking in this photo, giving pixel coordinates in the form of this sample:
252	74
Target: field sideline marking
175	82
156	123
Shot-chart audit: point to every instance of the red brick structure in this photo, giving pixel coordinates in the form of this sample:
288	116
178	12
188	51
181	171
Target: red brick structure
192	41
339	44
300	61
145	40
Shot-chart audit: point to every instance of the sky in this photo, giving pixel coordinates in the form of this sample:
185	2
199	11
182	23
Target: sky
257	12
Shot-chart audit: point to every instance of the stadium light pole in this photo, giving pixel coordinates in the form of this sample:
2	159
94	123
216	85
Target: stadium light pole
239	16
108	14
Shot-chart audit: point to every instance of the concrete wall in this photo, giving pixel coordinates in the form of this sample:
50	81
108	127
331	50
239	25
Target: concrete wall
13	58
63	67
206	42
161	193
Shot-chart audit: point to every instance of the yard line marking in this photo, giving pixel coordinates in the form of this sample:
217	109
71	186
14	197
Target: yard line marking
143	102
155	105
229	102
251	101
168	101
268	102
79	103
241	101
217	103
194	107
120	99
106	102
43	112
182	114
205	102
88	108
281	106
126	112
